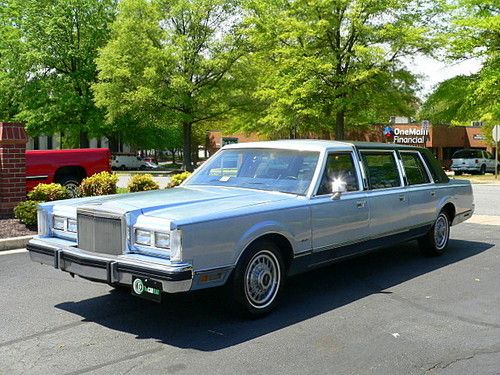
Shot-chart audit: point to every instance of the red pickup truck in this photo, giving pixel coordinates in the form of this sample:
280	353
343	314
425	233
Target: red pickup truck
65	167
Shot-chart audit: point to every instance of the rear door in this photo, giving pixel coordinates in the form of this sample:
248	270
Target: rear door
421	190
387	195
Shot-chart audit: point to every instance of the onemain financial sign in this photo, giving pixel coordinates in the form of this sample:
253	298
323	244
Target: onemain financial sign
406	136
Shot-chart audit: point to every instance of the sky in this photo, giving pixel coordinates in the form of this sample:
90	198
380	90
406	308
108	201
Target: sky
435	71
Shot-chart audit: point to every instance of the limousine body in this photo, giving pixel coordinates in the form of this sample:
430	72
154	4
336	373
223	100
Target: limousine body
254	214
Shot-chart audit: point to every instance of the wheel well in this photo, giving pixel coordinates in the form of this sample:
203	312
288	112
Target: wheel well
450	211
283	244
73	171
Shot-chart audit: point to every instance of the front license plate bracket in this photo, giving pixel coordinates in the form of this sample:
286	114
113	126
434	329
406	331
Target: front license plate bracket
146	288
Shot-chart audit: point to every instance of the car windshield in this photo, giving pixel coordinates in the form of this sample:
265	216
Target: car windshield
466	154
287	171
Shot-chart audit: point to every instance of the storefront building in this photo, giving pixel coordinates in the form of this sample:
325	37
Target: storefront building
442	140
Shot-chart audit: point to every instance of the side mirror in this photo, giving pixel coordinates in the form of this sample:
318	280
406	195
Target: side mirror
338	187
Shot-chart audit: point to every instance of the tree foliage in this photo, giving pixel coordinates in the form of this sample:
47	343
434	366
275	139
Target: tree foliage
55	43
326	62
168	63
474	33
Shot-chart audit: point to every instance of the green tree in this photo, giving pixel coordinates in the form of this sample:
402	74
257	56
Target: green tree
57	42
473	33
328	63
169	63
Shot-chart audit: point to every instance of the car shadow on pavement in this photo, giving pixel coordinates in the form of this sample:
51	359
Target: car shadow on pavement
202	320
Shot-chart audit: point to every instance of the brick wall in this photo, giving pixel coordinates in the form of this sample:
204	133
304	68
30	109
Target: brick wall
12	166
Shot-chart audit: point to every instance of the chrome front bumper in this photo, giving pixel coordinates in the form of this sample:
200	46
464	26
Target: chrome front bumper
113	270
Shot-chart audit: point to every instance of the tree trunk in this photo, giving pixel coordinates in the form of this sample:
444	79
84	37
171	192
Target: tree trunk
339	126
187	137
84	140
173	156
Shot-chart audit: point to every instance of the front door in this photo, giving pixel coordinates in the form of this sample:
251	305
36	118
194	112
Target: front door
343	220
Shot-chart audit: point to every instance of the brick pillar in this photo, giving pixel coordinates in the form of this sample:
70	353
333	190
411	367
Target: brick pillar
12	166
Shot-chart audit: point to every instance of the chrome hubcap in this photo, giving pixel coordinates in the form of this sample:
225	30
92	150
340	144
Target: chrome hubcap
72	189
441	231
262	278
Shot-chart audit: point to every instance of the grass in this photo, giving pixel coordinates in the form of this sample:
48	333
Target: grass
487	178
121	190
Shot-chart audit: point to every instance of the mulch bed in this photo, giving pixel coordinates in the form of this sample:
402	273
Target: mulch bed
13	228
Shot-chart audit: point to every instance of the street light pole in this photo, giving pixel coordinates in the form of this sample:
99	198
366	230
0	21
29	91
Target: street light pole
496	161
496	138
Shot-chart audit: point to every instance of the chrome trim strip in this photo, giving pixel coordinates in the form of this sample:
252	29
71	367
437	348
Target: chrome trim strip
368	238
40	177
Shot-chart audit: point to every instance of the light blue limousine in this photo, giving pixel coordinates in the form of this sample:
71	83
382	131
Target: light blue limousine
254	214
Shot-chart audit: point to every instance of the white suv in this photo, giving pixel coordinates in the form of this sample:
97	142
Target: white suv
472	161
125	162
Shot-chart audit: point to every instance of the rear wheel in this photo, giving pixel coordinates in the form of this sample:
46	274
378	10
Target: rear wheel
482	170
258	279
458	173
71	184
434	243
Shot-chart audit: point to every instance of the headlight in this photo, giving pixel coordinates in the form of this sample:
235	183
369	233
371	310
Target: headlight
71	225
58	222
143	237
162	240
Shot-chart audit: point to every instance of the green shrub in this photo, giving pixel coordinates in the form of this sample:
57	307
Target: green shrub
177	179
48	192
103	183
142	182
25	212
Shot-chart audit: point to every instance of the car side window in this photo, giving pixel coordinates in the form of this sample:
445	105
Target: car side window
381	169
339	170
414	168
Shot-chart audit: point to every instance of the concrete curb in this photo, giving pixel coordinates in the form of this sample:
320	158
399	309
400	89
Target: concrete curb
14	242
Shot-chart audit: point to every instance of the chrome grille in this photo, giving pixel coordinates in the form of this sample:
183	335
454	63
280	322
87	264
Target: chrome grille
99	234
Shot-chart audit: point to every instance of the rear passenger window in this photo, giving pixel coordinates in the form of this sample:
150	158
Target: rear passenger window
414	168
381	169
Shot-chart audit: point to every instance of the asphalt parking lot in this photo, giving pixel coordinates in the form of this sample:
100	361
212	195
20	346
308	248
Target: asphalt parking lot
389	312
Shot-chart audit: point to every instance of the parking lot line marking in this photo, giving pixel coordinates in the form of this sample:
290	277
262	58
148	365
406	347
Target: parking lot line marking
484	219
16	251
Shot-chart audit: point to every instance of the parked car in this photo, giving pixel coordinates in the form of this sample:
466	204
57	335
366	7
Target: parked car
472	161
151	166
65	167
127	161
151	160
254	214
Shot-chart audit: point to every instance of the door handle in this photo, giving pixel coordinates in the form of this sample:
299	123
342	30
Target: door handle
360	204
402	198
433	193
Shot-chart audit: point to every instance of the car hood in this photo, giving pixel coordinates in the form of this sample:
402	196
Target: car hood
184	204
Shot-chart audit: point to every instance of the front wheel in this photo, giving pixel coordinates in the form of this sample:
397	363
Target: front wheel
258	279
434	243
458	173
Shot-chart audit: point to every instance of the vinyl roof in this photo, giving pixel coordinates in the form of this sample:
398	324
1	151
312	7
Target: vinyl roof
317	145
